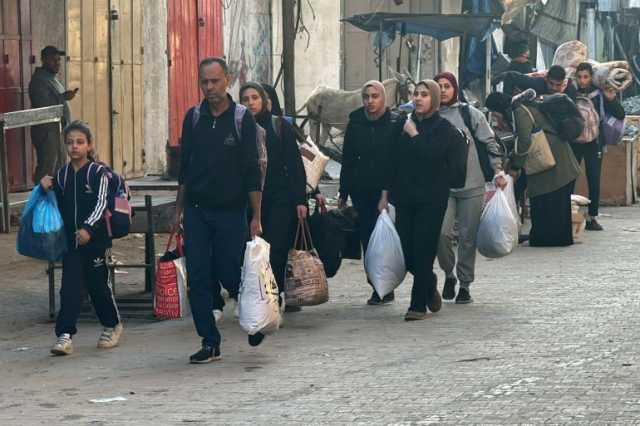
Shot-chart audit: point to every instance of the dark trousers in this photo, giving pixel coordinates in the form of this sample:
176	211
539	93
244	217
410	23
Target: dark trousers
51	153
85	268
214	242
592	154
419	228
551	219
279	222
366	205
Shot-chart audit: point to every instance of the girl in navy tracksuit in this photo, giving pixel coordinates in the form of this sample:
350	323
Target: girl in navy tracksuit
81	188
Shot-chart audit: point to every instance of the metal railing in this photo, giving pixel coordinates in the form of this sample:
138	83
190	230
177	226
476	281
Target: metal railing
15	120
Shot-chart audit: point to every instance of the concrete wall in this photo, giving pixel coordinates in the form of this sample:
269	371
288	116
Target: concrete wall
320	62
247	41
48	27
156	87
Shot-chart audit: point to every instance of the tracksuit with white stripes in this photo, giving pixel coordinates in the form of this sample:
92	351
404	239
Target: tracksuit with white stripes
82	199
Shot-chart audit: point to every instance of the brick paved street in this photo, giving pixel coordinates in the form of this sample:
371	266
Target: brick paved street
552	338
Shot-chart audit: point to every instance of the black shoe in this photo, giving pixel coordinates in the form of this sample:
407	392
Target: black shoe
523	238
449	290
374	300
256	339
464	296
593	225
389	298
206	355
291	309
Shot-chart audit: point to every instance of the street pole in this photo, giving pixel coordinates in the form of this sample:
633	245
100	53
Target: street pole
288	56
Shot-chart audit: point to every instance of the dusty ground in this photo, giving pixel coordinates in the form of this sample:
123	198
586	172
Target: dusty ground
551	338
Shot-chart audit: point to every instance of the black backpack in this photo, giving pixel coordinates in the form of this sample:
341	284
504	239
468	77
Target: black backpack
483	153
563	114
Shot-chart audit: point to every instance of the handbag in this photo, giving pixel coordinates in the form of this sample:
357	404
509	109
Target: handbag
539	155
612	128
170	298
305	280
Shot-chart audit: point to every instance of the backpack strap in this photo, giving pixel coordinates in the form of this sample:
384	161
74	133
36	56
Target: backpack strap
195	116
276	122
237	118
466	117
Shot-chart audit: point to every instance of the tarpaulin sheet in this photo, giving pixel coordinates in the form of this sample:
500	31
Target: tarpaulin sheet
557	22
438	26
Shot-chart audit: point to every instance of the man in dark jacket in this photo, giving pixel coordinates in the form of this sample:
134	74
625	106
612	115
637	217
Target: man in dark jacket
364	157
554	82
219	171
46	90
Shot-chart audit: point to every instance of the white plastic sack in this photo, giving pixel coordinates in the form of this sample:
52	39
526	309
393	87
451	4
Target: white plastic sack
258	298
384	261
314	162
499	225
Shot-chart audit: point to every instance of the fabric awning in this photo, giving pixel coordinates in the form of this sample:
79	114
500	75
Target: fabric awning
438	26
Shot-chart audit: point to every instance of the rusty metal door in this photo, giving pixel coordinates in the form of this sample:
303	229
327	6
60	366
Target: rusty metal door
126	87
194	32
88	69
15	74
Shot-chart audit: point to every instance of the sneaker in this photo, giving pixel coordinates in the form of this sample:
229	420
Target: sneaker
218	315
110	337
593	225
374	300
414	315
464	297
63	345
206	355
256	339
449	290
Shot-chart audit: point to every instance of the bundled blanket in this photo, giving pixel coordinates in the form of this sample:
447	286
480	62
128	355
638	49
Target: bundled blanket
613	74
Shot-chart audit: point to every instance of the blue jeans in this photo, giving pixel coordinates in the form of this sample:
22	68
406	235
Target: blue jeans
214	244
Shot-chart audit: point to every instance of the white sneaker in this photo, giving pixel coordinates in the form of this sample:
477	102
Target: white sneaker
63	345
218	315
110	337
283	305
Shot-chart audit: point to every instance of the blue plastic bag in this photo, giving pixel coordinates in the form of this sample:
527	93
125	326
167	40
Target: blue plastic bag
41	233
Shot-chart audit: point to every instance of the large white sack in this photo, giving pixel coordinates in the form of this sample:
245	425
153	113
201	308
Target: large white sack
384	261
258	298
499	225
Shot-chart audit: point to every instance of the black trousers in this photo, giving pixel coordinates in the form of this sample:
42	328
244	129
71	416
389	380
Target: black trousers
419	227
366	205
551	218
279	222
592	154
214	243
85	267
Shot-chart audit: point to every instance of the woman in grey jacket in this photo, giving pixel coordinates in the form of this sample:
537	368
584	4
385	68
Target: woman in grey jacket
465	204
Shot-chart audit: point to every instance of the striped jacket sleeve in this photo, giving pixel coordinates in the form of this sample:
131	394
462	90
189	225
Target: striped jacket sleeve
101	203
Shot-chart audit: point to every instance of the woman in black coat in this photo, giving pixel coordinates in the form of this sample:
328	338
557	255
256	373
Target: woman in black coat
428	159
284	200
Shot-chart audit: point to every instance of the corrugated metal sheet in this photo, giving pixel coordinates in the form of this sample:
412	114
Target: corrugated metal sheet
15	74
194	32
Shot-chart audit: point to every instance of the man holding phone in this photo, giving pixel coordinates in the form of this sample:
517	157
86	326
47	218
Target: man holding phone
45	89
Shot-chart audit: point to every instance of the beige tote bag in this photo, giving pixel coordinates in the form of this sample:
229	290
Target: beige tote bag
539	156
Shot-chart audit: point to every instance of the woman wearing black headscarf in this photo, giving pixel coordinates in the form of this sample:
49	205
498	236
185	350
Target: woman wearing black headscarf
425	162
284	199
